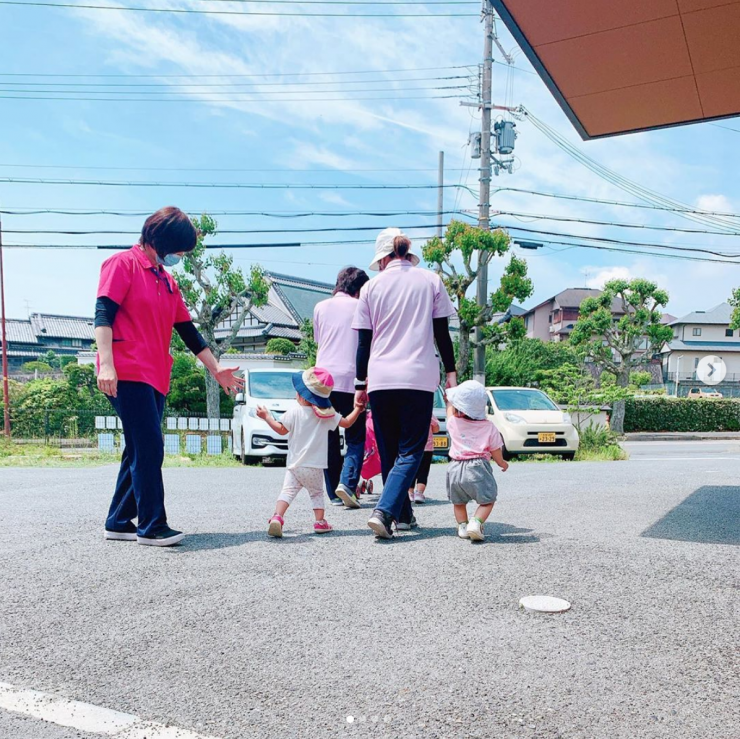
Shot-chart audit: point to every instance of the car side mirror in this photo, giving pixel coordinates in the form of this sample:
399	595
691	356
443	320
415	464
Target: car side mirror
239	399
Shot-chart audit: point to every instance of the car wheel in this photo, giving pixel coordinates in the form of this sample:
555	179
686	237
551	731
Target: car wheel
507	455
569	456
244	457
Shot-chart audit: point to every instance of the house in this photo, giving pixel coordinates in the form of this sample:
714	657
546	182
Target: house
290	302
553	319
31	339
700	334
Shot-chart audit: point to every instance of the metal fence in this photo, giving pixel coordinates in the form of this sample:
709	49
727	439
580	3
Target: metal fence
85	429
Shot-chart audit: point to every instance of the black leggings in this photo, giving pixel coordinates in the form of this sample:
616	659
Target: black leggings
423	474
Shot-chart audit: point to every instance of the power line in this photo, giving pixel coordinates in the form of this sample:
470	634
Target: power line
266	214
110	247
585	199
282	170
633	188
207	85
222	100
376	227
229	92
192	11
260	74
543	217
607	240
219	185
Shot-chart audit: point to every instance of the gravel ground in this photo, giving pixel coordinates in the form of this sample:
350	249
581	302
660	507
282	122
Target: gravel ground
238	636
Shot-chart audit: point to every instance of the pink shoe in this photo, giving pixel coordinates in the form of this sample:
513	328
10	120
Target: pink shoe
322	527
275	527
419	497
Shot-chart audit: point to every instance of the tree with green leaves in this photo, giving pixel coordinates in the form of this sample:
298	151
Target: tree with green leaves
215	291
734	301
308	345
476	247
622	344
280	346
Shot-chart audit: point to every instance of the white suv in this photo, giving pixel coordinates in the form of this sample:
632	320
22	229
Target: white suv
253	439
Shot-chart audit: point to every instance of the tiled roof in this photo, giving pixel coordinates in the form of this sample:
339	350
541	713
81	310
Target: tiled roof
720	315
20	332
272	314
298	296
283	332
63	327
573	297
676	345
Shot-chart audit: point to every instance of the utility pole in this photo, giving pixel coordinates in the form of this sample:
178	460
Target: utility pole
441	195
3	336
484	207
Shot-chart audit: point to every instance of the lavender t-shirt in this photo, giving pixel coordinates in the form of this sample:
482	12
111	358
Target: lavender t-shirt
399	306
332	330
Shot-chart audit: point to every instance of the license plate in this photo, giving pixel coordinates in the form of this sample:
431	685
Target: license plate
440	442
548	438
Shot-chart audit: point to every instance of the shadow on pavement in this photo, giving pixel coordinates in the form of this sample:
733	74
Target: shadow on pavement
711	515
496	533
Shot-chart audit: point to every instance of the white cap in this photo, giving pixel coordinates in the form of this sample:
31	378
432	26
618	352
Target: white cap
384	247
469	398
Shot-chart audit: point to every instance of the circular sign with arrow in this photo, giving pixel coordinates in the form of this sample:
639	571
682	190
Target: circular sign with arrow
711	370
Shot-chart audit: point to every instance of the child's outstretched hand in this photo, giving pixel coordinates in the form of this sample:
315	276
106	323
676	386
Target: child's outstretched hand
262	412
504	465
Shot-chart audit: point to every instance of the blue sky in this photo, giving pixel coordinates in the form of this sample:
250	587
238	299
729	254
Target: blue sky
343	139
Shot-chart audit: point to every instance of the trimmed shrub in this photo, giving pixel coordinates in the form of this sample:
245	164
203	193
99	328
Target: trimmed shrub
682	414
280	346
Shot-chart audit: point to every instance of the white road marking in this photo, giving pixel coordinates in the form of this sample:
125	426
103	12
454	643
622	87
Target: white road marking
718	458
87	717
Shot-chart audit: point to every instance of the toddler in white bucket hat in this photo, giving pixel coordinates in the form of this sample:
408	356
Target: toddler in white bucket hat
474	441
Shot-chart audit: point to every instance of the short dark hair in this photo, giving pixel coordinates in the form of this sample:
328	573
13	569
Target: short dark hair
350	280
169	231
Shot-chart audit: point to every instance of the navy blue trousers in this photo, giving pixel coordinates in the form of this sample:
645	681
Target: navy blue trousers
140	489
401	422
347	470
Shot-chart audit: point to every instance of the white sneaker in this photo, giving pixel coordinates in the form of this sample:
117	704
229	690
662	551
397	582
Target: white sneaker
462	531
475	530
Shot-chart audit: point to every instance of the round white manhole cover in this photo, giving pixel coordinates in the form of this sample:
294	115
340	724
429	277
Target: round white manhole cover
544	604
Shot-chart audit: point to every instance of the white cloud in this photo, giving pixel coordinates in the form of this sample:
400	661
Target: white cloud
597	277
334	198
714	203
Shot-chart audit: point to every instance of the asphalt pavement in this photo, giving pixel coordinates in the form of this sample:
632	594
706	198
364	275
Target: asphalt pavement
236	636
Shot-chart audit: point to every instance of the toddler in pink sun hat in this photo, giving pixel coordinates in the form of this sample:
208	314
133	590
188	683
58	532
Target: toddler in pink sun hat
307	427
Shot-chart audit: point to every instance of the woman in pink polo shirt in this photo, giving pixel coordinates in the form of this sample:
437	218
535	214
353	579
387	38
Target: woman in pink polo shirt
401	313
337	341
138	306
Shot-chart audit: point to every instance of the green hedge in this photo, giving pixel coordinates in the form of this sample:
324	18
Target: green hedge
681	414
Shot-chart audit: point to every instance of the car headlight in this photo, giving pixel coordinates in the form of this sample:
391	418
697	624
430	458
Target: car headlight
513	418
567	418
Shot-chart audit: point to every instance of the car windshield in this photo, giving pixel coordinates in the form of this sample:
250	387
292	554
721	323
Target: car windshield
523	400
271	385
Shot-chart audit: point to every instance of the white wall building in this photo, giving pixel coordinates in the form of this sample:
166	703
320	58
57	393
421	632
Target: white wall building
700	334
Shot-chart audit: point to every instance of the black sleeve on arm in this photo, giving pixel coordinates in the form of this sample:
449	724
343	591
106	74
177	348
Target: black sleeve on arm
191	336
444	343
105	312
363	352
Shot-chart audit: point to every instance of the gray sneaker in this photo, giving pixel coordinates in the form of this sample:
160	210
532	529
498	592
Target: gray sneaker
348	497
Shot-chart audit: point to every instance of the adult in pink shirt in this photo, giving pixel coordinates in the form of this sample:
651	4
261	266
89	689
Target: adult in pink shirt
138	306
337	342
401	313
